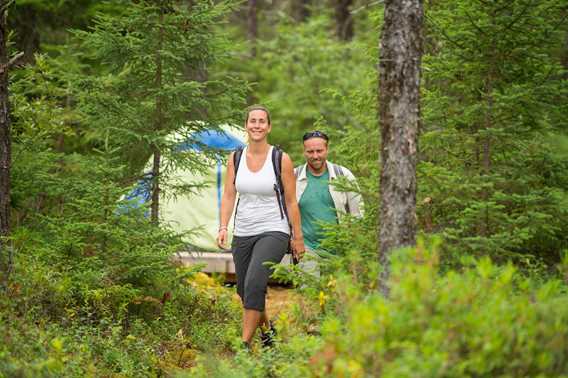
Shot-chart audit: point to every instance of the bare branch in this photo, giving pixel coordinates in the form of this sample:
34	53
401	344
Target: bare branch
14	60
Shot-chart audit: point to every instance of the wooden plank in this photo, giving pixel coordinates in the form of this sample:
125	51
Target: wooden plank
215	262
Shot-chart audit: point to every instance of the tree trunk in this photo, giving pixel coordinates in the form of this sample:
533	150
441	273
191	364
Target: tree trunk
252	26
564	58
5	152
155	206
488	98
399	117
343	20
300	10
26	23
485	226
194	72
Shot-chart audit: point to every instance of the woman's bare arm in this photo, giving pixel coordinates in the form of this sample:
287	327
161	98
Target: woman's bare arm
289	183
227	203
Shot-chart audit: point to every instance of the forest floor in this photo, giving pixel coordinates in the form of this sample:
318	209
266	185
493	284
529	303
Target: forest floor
278	299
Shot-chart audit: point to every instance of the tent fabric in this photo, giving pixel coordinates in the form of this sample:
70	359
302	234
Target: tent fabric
221	140
197	212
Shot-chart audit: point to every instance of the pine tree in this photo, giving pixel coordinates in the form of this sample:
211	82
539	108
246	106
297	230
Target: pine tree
489	180
40	23
5	145
143	95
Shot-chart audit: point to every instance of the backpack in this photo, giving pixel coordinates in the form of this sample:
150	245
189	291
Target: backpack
277	154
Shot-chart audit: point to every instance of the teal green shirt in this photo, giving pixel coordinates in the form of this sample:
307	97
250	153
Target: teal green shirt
316	207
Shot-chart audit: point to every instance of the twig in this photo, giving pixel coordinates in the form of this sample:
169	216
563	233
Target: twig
11	62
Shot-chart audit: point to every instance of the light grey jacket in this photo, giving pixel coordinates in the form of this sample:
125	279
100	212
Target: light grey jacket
345	202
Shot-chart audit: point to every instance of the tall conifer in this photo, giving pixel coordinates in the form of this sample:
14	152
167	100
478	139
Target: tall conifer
144	94
494	96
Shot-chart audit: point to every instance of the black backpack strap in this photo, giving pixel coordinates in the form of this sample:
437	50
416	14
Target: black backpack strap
277	154
237	160
277	164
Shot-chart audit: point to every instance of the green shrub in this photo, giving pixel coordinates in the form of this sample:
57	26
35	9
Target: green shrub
482	321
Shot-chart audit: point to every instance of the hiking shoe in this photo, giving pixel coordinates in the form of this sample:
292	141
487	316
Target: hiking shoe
267	337
245	346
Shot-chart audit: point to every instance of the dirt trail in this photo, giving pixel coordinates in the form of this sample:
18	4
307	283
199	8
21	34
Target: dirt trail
278	299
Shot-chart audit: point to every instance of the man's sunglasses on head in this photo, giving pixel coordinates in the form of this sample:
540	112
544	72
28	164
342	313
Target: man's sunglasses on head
315	134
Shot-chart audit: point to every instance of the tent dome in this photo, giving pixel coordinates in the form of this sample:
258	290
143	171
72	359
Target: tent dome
198	212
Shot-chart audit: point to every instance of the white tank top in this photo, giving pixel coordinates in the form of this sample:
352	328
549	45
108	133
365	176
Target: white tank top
258	210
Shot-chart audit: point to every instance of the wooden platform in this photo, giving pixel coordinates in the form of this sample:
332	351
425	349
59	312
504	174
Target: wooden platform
215	262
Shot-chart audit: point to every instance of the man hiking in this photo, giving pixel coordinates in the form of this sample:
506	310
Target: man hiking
319	201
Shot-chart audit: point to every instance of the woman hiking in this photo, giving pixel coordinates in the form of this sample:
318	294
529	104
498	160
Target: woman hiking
262	219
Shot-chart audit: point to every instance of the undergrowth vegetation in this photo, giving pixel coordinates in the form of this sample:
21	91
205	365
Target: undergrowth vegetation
484	320
95	289
65	322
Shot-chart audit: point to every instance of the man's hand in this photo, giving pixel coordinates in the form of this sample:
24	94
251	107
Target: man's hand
298	248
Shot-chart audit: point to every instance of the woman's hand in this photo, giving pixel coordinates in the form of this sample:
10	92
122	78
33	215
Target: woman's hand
222	238
298	248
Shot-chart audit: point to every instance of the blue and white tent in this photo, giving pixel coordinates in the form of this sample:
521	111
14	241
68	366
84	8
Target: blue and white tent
199	212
